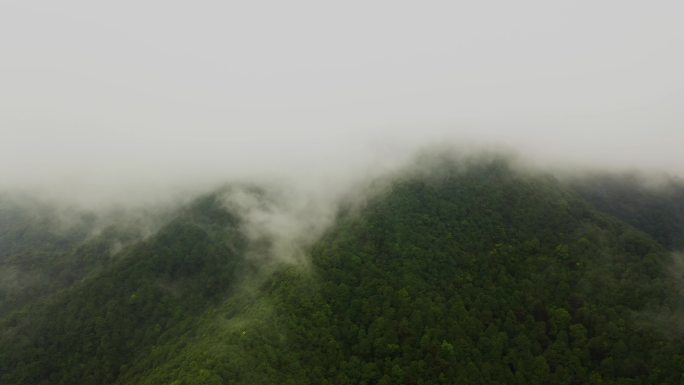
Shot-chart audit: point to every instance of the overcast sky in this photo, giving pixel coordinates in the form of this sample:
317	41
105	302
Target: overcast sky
124	91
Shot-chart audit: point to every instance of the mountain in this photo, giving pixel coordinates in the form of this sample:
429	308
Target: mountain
454	272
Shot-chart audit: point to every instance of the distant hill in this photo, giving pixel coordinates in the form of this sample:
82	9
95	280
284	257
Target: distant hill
657	209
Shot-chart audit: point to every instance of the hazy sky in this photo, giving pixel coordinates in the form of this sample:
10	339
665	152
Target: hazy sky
103	93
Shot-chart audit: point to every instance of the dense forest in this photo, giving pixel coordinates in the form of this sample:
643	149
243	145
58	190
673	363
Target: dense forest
454	272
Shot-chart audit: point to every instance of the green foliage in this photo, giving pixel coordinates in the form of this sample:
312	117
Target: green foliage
89	333
470	275
655	209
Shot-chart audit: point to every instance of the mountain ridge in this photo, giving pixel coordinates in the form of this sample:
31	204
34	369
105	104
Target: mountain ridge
471	273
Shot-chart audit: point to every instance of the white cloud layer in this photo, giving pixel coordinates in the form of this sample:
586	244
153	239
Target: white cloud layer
134	96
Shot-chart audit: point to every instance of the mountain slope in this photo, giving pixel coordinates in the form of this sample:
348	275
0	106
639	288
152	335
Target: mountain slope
466	274
45	248
32	241
657	209
477	276
90	332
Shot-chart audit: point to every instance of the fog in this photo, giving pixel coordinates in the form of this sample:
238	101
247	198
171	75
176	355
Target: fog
130	101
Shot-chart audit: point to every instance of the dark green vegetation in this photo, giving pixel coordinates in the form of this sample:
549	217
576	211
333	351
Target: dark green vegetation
470	274
44	249
657	209
40	253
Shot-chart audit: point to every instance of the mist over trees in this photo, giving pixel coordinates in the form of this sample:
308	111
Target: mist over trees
456	270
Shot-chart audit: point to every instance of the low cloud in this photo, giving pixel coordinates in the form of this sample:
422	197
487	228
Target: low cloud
280	222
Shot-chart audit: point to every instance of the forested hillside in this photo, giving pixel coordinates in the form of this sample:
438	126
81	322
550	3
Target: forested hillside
42	249
45	248
655	207
454	273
